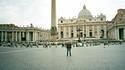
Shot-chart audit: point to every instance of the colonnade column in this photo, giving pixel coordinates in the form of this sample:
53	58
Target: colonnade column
5	35
83	31
34	36
19	36
39	36
124	33
12	36
1	35
27	36
16	35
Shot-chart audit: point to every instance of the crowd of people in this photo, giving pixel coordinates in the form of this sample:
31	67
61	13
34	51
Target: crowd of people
48	45
68	45
18	44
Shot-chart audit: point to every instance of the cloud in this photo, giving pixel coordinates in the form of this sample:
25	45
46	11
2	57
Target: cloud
24	12
38	12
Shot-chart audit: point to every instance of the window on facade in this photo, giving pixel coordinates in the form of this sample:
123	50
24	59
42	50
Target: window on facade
81	34
71	29
121	33
102	34
95	32
84	20
90	30
79	28
90	27
84	35
90	19
90	34
72	35
84	31
101	19
120	19
61	21
71	20
61	34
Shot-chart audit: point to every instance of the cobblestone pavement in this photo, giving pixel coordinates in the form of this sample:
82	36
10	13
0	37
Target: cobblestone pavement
83	58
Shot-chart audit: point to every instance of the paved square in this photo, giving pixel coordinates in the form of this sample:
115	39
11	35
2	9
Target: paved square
83	58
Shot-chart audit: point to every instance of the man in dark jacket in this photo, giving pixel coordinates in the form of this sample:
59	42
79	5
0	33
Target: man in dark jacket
68	46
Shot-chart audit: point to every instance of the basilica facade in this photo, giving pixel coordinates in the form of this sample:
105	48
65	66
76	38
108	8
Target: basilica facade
83	27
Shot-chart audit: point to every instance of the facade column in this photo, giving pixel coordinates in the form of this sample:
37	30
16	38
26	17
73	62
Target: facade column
39	36
69	31
65	32
74	31
98	32
87	31
105	32
117	34
59	33
83	30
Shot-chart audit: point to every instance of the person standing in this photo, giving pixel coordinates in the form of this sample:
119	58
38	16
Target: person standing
68	47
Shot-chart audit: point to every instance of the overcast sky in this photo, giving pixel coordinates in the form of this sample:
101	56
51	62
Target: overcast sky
38	12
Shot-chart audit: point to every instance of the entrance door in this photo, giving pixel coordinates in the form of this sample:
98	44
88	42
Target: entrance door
121	33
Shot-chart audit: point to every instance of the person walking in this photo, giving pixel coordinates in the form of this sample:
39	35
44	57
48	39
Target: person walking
68	47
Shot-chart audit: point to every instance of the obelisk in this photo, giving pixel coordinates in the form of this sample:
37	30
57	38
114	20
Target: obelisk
53	21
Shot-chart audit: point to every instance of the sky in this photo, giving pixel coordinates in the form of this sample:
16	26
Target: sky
38	12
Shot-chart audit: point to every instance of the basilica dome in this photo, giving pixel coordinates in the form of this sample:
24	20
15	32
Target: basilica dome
84	13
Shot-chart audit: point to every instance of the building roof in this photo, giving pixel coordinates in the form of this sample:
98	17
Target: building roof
84	13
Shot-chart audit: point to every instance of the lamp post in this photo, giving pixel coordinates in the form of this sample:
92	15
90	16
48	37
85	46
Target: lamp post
79	35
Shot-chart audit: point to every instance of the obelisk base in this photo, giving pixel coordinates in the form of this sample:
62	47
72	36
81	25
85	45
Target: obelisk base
53	34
